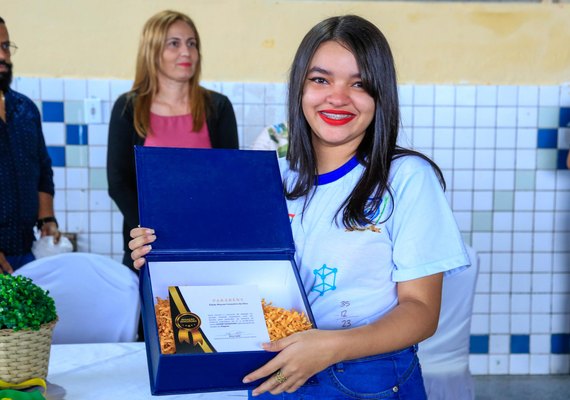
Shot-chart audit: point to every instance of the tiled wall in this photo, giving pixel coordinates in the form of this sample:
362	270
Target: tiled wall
502	150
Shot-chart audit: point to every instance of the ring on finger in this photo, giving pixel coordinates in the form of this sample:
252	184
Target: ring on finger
279	377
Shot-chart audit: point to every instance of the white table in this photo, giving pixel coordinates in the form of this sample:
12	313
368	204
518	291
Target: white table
108	371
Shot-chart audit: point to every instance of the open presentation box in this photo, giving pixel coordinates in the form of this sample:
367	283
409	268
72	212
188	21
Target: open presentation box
220	218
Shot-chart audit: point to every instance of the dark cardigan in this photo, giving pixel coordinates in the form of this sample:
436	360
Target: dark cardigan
121	176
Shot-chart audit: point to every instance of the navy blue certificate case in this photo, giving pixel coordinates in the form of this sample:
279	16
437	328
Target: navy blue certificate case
220	218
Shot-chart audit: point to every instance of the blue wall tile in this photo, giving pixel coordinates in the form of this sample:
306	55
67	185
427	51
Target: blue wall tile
547	138
564	117
52	111
560	343
76	134
520	344
479	344
57	155
561	161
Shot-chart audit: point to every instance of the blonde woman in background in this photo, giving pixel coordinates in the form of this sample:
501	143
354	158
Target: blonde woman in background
166	107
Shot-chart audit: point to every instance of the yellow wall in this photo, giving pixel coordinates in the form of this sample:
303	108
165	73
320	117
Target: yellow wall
254	40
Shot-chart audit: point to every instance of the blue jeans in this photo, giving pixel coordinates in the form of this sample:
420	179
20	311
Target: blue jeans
20	260
395	375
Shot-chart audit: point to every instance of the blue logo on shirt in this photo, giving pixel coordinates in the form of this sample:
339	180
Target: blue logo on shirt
325	279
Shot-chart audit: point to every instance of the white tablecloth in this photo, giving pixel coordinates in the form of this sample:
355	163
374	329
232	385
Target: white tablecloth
108	371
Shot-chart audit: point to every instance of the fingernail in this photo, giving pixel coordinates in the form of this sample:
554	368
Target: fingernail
149	247
245	380
150	231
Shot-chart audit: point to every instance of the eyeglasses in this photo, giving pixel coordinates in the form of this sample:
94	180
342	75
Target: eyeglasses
9	47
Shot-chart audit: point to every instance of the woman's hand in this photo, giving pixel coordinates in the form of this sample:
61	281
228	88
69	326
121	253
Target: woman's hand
301	356
140	245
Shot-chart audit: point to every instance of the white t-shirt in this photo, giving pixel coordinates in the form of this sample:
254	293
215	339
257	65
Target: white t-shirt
350	277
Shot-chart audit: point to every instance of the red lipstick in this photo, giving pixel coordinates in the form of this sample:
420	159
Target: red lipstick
336	117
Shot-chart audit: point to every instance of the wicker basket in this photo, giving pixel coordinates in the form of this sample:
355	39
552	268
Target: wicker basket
25	354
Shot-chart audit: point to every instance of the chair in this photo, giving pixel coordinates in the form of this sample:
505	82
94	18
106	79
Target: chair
444	357
96	298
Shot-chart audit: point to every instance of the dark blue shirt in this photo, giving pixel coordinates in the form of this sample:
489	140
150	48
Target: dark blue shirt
25	170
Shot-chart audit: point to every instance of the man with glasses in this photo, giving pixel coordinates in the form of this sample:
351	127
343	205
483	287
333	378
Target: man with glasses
26	176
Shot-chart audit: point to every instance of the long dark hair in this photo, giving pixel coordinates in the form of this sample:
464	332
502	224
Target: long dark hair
378	147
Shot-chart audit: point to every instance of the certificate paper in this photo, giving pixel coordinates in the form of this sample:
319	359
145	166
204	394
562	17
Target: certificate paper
217	318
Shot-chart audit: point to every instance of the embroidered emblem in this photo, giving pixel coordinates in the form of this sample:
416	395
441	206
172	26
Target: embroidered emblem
291	216
325	279
375	215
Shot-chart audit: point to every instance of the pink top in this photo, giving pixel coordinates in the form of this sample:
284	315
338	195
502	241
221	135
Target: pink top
176	131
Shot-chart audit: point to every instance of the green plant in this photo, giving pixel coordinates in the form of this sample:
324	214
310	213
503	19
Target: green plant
23	304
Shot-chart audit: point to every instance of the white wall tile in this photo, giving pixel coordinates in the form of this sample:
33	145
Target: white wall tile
485	117
29	87
524	201
528	96
543	221
59	179
465	117
481	304
78	221
406	95
100	243
234	91
99	200
543	241
97	156
506	138
549	96
505	159
541	261
443	138
465	95
464	138
499	344
54	133
74	89
500	303
118	87
521	283
565	95
51	89
506	117
254	115
539	364
502	241
520	303
487	95
522	262
519	364
559	363
480	324
422	138
443	158
527	117
526	138
500	323
485	138
99	222
522	241
507	95
423	116
525	159
501	262
444	95
479	364
254	93
77	178
464	159
504	180
276	93
523	221
498	364
423	95
99	88
275	114
482	200
540	323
